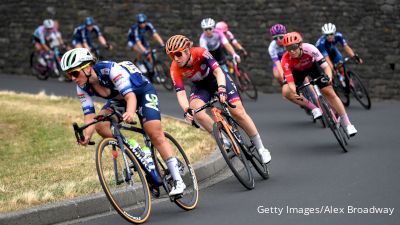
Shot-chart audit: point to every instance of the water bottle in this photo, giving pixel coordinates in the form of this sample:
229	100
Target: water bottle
341	78
149	158
141	67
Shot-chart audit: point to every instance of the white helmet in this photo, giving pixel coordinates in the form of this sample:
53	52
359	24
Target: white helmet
75	58
207	23
48	24
328	28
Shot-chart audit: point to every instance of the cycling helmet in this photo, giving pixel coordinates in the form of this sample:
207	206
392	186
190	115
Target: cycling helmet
141	18
207	23
76	58
277	29
89	21
292	38
328	28
48	24
222	26
177	43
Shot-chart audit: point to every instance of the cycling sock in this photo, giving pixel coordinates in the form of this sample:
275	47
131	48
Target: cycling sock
257	141
172	164
309	104
345	119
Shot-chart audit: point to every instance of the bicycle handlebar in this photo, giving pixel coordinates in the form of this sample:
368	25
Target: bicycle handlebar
210	103
323	78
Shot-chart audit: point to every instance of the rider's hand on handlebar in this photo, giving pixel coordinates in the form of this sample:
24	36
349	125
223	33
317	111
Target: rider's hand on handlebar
236	57
222	93
84	142
189	113
128	117
357	59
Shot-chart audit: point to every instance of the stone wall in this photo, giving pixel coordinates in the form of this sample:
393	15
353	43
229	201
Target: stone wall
372	28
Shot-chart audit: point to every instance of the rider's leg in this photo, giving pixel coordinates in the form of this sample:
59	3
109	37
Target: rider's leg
202	117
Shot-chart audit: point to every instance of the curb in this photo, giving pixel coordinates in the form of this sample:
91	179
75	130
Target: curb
94	204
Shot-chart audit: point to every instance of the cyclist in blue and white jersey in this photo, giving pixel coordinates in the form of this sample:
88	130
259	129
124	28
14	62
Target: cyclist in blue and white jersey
276	50
326	44
122	83
82	35
42	35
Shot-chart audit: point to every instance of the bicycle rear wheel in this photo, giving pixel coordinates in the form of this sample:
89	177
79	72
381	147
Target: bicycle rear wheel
39	66
190	197
335	128
247	85
251	152
130	198
236	162
340	91
359	91
161	71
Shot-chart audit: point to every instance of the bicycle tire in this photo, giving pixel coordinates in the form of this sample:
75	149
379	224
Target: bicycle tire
246	179
165	79
332	124
190	197
251	152
340	91
359	91
247	85
133	201
39	71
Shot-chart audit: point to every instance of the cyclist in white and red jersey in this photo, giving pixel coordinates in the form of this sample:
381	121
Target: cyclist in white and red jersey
304	59
223	26
215	41
197	65
276	51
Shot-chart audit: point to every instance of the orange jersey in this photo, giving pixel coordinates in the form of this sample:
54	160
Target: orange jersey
203	66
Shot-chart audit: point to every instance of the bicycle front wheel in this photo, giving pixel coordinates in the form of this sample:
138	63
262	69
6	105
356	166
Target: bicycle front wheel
161	71
233	155
129	197
340	91
359	91
247	85
190	196
39	66
333	124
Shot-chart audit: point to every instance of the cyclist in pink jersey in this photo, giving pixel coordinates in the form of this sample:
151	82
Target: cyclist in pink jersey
304	59
223	27
198	65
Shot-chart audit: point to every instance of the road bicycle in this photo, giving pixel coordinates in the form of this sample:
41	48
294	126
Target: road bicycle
45	65
242	79
329	115
348	82
127	178
309	93
155	69
234	143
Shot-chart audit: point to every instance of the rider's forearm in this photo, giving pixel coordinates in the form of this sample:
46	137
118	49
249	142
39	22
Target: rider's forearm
131	103
280	70
103	41
328	60
230	49
141	47
182	99
220	76
88	132
157	37
348	50
328	71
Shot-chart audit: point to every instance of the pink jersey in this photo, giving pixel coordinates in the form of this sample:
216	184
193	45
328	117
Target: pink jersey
310	55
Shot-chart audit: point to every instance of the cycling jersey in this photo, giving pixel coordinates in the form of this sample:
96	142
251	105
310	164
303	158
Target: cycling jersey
231	38
308	64
83	35
121	78
204	83
136	34
276	52
214	42
41	35
328	48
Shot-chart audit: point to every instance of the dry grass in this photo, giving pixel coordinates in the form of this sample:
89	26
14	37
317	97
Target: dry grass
39	159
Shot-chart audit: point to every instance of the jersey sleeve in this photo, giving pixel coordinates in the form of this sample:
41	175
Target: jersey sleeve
340	38
318	57
177	78
151	28
272	52
86	101
210	60
203	42
97	30
121	79
321	46
287	71
222	38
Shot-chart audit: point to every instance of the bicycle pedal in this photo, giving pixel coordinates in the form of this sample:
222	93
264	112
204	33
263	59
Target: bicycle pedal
175	197
155	191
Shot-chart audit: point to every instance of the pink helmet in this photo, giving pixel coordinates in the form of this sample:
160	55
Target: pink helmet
277	29
222	26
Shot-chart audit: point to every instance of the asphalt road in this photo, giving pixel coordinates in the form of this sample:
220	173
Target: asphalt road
309	171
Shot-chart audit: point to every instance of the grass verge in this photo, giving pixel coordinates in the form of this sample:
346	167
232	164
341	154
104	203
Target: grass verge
40	161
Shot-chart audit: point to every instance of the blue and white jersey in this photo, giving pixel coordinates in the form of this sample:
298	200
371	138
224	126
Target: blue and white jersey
275	51
138	34
42	34
325	46
120	78
83	35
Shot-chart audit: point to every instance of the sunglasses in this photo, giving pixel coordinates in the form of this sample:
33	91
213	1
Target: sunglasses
329	34
74	73
278	37
177	54
292	47
207	29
